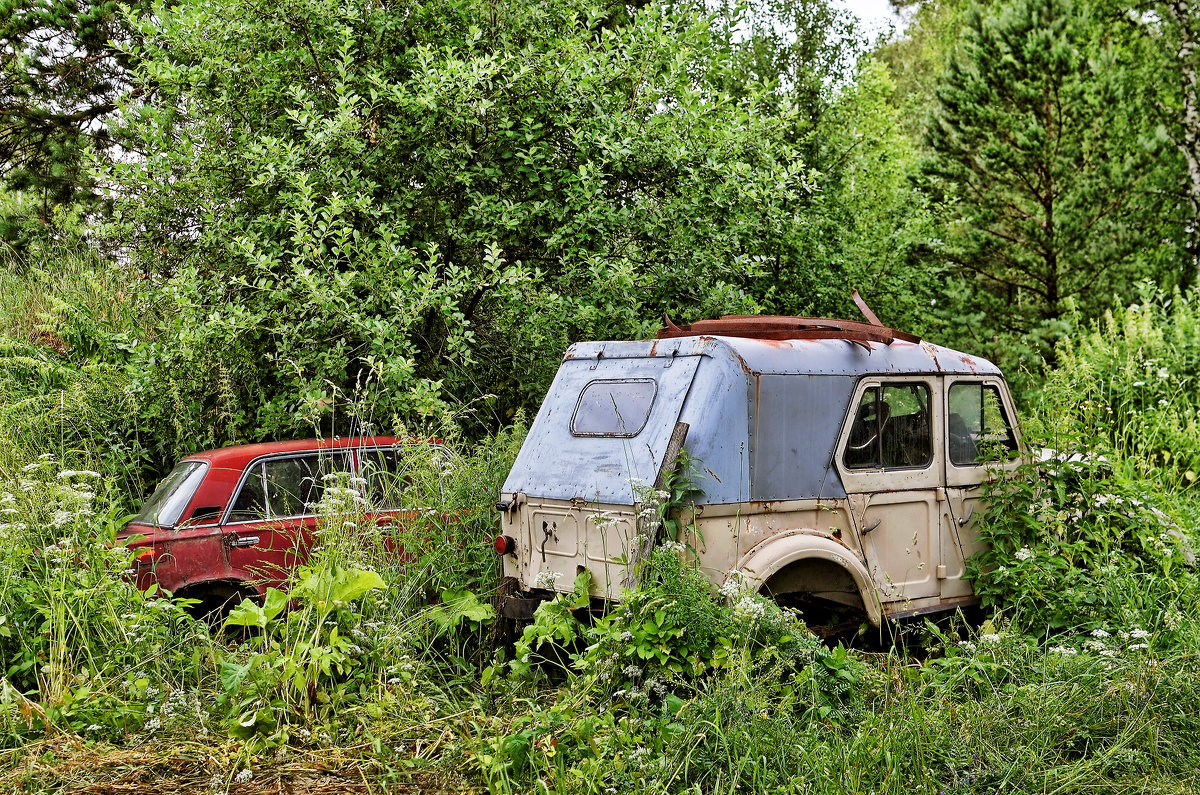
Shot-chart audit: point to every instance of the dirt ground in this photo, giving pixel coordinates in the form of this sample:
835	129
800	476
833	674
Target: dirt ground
74	767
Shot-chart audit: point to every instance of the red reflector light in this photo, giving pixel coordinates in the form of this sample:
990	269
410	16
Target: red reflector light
504	545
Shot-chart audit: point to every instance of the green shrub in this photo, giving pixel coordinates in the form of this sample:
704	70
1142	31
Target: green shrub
1129	387
97	656
1071	543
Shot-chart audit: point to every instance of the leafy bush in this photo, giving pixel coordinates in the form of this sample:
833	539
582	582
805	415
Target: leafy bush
1073	544
1129	387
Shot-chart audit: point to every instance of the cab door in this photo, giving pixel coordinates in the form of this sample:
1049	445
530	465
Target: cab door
892	477
979	437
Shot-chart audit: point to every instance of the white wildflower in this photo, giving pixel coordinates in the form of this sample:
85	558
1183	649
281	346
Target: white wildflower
546	579
749	609
1065	650
1136	646
1137	633
1024	553
244	776
1099	633
736	583
989	637
604	519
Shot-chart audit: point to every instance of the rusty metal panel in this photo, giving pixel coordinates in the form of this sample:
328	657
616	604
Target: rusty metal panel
796	425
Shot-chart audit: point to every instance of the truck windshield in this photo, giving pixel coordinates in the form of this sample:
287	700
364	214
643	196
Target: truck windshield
172	495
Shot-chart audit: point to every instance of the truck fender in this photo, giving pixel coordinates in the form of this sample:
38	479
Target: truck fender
773	554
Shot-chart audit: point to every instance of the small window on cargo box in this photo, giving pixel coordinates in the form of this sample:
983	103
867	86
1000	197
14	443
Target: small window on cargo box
617	408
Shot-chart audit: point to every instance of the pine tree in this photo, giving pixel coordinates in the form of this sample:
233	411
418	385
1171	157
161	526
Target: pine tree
62	71
1039	143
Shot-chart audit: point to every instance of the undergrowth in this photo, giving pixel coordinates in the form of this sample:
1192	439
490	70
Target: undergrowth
384	655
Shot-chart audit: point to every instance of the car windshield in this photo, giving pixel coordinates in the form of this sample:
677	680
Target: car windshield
172	495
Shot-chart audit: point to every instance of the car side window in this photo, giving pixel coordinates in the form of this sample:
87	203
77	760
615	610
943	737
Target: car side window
891	428
251	502
285	487
292	486
977	428
385	479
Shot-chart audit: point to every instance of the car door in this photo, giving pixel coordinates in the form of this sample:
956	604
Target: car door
892	477
269	526
979	436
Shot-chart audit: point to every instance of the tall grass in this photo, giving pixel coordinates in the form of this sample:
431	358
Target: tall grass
409	683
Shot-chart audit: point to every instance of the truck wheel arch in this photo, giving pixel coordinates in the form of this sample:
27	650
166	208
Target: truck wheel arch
776	554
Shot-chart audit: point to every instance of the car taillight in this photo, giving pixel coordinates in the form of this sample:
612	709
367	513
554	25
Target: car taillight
504	545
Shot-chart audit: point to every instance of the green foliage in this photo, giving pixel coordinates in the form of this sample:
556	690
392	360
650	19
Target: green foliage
1127	386
402	210
304	662
96	656
1072	543
1058	183
62	71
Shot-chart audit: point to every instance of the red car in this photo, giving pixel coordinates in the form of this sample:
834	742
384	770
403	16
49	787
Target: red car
227	524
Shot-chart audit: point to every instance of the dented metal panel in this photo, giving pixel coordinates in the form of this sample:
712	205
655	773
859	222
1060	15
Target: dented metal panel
796	425
557	463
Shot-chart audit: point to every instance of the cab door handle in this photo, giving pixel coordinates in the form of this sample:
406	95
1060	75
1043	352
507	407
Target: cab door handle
243	541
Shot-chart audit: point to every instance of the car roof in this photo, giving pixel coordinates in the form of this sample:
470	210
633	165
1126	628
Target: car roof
241	454
800	356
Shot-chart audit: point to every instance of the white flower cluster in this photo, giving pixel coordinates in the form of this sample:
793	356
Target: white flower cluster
750	609
546	579
736	584
1024	553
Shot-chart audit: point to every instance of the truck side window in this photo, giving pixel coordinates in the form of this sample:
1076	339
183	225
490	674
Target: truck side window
617	408
976	426
891	429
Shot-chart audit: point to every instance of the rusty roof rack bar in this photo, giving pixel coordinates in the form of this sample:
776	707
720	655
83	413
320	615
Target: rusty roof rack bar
782	327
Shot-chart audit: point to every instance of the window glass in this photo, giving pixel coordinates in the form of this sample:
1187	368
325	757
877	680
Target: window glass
396	476
173	494
251	502
295	485
891	429
383	473
977	428
614	408
292	485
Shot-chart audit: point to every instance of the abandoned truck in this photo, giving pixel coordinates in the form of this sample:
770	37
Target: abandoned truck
838	464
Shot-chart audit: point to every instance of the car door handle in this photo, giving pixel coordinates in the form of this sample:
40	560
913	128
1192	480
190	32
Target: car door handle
874	525
963	521
244	541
